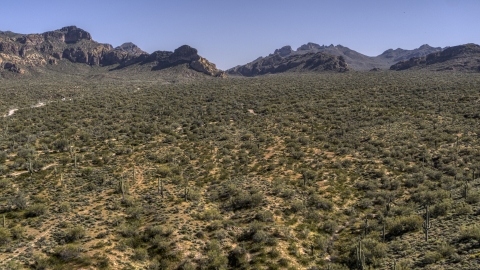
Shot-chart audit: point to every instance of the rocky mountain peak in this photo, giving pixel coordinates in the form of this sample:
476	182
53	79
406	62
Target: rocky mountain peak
74	34
130	48
425	46
284	51
309	46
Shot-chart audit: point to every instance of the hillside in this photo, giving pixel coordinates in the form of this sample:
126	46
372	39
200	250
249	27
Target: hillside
458	58
289	171
34	52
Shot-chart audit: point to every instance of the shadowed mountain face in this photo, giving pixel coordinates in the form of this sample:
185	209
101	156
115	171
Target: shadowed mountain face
19	53
355	60
459	58
283	61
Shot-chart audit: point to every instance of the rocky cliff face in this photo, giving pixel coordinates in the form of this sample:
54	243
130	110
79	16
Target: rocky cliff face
461	58
308	62
19	52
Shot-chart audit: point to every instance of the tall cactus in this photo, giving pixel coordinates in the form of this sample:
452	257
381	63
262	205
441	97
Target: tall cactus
465	189
383	230
123	188
360	256
426	224
365	227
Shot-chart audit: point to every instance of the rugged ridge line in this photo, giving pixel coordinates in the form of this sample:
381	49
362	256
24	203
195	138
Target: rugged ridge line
460	58
19	52
354	59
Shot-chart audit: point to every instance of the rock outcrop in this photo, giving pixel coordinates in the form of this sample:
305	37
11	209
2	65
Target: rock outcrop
188	55
461	58
76	45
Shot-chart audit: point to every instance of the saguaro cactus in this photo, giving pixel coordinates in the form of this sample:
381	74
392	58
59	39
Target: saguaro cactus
360	256
426	224
383	231
123	188
365	227
465	189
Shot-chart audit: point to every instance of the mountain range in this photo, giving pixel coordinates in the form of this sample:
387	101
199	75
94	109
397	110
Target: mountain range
27	53
354	59
19	53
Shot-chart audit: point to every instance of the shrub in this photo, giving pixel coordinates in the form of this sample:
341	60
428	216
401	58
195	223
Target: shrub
60	145
210	214
401	225
19	201
431	257
470	233
36	210
64	207
473	197
140	254
68	252
320	203
73	234
3	156
264	216
4	236
441	209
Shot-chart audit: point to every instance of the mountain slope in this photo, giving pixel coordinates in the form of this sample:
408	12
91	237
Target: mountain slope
354	59
20	53
460	58
401	54
276	63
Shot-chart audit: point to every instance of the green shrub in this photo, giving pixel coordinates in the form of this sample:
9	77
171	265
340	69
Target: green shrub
68	252
36	210
431	257
4	236
73	234
470	233
400	225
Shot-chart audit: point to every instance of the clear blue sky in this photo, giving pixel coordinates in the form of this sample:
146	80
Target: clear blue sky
230	33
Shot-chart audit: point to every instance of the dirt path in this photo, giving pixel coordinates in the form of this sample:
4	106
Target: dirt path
42	169
10	113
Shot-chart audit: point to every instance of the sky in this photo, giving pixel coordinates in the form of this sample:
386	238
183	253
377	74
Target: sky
230	33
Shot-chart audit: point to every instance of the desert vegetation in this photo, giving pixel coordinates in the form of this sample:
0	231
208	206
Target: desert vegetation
370	170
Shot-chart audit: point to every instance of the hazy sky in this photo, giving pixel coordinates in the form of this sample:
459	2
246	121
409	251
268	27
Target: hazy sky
229	33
